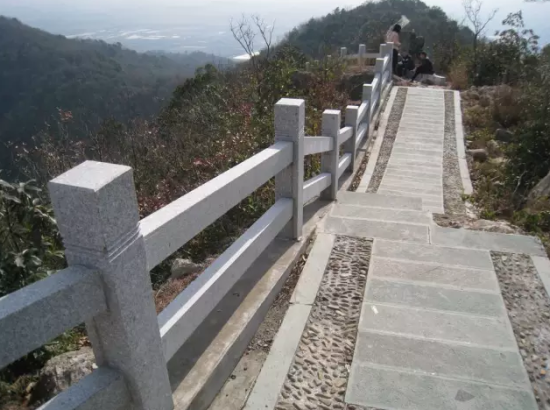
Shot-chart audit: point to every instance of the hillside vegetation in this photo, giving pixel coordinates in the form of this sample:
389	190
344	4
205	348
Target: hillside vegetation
43	74
369	23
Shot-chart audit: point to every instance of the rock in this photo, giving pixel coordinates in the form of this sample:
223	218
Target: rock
302	80
541	190
63	371
184	267
493	148
485	101
503	135
479	155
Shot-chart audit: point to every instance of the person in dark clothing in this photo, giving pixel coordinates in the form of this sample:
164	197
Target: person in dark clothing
393	37
425	67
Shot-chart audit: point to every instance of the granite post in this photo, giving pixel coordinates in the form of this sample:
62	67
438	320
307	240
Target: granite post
329	160
350	146
96	209
290	118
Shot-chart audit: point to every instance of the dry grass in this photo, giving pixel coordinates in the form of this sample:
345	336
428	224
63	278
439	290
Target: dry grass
458	77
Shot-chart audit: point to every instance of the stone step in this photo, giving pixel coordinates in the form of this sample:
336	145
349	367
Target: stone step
458	257
436	165
419	151
412	174
379	201
487	240
376	229
416	190
424	272
395	192
469	363
434	298
393	389
438	325
415	146
412	182
381	214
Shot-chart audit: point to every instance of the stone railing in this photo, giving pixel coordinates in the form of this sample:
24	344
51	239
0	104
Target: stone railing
110	252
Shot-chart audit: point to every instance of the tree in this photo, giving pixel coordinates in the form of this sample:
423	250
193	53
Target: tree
478	23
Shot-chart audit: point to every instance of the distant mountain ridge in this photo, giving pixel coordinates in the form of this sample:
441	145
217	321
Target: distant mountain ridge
369	22
41	73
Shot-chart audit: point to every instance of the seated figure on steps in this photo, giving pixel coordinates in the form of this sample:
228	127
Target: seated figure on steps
425	67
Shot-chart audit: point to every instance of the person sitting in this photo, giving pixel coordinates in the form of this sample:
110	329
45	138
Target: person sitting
406	65
425	67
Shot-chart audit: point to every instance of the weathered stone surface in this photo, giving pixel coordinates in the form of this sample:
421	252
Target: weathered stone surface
466	329
381	214
184	267
318	375
429	253
434	273
380	201
540	191
442	359
487	240
432	297
376	229
312	274
503	135
392	389
62	371
479	155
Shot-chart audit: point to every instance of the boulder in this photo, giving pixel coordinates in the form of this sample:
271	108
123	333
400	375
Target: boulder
503	135
485	101
479	155
541	190
184	267
63	371
302	80
493	148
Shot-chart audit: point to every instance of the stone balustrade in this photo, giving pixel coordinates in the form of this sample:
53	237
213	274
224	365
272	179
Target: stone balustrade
110	252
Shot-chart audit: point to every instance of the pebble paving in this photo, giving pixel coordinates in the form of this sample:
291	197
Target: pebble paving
318	377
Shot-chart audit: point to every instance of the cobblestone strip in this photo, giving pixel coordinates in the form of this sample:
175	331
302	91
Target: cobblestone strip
319	374
389	139
528	308
452	181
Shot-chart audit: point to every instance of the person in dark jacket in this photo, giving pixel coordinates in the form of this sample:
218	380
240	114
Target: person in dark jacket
425	67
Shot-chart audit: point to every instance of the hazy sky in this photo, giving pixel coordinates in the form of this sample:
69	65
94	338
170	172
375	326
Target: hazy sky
287	13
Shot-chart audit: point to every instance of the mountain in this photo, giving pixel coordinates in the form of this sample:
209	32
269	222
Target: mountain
44	75
369	22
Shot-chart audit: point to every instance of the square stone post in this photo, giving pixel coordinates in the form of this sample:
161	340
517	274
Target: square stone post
329	160
390	52
350	146
367	97
290	119
343	52
362	53
96	209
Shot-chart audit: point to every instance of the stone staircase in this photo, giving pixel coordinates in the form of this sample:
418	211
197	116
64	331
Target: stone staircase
434	332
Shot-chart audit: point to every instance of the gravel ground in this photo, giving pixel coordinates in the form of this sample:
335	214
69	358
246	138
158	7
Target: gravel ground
319	374
389	138
528	308
452	182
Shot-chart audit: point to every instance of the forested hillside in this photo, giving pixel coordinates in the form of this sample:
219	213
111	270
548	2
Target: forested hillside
43	75
369	22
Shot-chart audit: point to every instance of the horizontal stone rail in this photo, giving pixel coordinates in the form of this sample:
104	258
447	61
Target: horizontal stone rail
110	253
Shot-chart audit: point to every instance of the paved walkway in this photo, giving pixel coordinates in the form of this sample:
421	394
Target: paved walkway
415	166
433	332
